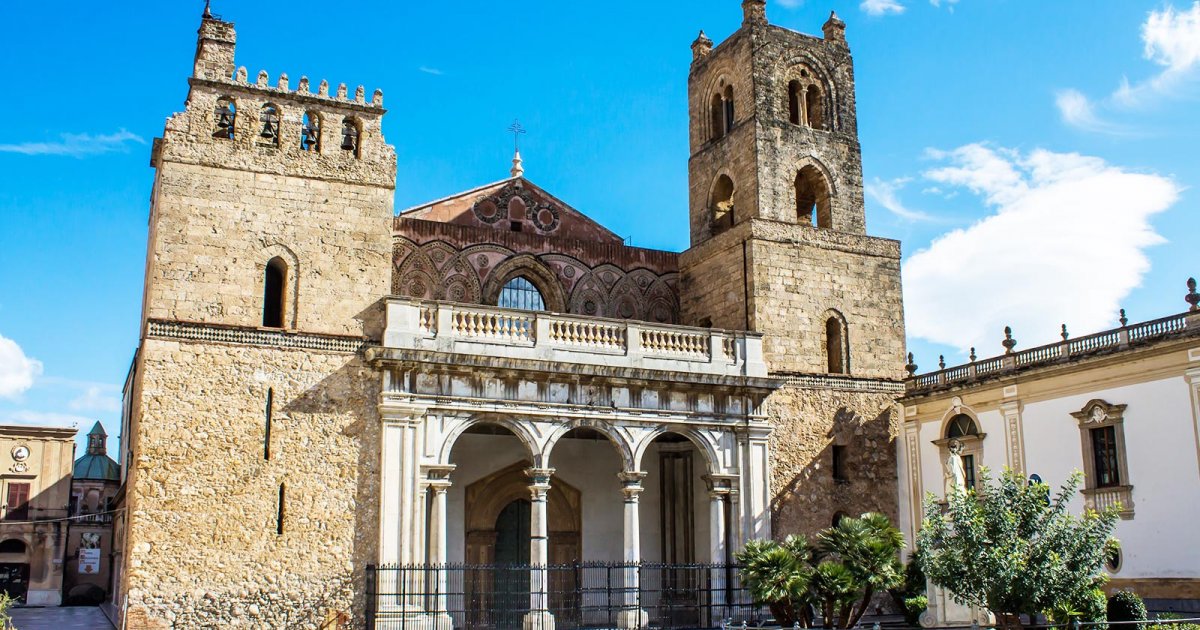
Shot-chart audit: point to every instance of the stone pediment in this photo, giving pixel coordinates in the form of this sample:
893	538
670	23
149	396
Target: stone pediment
514	205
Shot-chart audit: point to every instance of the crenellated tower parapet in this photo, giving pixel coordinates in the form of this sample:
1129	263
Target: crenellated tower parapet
233	120
273	199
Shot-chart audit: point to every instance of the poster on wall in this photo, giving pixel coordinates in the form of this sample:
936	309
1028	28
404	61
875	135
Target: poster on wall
89	553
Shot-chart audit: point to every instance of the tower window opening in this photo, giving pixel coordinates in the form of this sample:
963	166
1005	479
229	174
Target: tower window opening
274	283
722	113
812	198
351	136
728	110
521	293
226	113
794	107
718	120
814	107
836	352
310	134
269	117
721	205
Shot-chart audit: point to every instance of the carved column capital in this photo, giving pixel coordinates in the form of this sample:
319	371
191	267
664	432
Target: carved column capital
539	482
631	484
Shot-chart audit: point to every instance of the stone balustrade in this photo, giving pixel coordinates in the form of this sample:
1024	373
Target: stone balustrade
1101	499
1068	349
498	332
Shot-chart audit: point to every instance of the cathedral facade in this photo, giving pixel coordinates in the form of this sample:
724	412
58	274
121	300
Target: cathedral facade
324	386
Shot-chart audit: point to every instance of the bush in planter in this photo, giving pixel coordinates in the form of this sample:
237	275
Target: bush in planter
1126	606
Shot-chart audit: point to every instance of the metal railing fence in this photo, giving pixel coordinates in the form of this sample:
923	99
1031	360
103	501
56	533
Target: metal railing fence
580	595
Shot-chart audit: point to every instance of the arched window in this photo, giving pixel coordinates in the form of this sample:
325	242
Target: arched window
721	205
351	136
717	121
226	115
794	105
12	545
728	98
837	355
268	116
274	290
812	198
310	134
721	112
814	107
963	430
520	293
961	425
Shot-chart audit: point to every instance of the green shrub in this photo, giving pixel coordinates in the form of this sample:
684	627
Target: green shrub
913	607
1175	626
1126	606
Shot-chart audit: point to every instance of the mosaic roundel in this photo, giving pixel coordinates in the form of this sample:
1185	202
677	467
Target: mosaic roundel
482	261
486	210
546	217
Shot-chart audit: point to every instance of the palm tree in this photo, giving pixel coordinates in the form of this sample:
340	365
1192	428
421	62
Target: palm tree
869	548
779	576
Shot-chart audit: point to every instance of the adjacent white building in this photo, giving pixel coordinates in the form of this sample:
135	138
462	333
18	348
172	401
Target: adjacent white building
1122	406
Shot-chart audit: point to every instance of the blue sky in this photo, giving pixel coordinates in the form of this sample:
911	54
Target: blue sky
1036	159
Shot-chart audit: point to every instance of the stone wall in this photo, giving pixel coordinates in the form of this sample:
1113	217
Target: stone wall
808	422
203	541
801	276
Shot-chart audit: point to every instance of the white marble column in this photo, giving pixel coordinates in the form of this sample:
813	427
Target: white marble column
439	484
632	614
718	494
539	617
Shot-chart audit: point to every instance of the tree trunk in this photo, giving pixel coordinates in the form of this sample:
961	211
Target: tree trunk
862	607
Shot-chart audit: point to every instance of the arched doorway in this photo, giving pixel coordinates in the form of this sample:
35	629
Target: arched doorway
486	501
14	568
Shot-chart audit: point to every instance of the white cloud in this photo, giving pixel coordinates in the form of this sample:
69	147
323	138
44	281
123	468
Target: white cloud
1077	110
43	418
97	398
17	371
948	3
434	71
1170	39
1065	243
881	7
76	144
884	193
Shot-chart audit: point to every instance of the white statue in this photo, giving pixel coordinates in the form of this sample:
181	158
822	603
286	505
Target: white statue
956	475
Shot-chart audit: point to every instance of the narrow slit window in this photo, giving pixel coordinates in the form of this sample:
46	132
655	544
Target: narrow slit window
835	346
280	513
267	429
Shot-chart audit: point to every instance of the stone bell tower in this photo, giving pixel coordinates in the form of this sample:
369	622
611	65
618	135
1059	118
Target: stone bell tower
778	232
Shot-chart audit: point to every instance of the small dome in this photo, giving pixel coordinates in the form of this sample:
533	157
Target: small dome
101	467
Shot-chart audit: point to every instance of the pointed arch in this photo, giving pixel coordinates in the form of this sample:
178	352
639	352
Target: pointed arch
813	195
279	265
720	204
534	270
